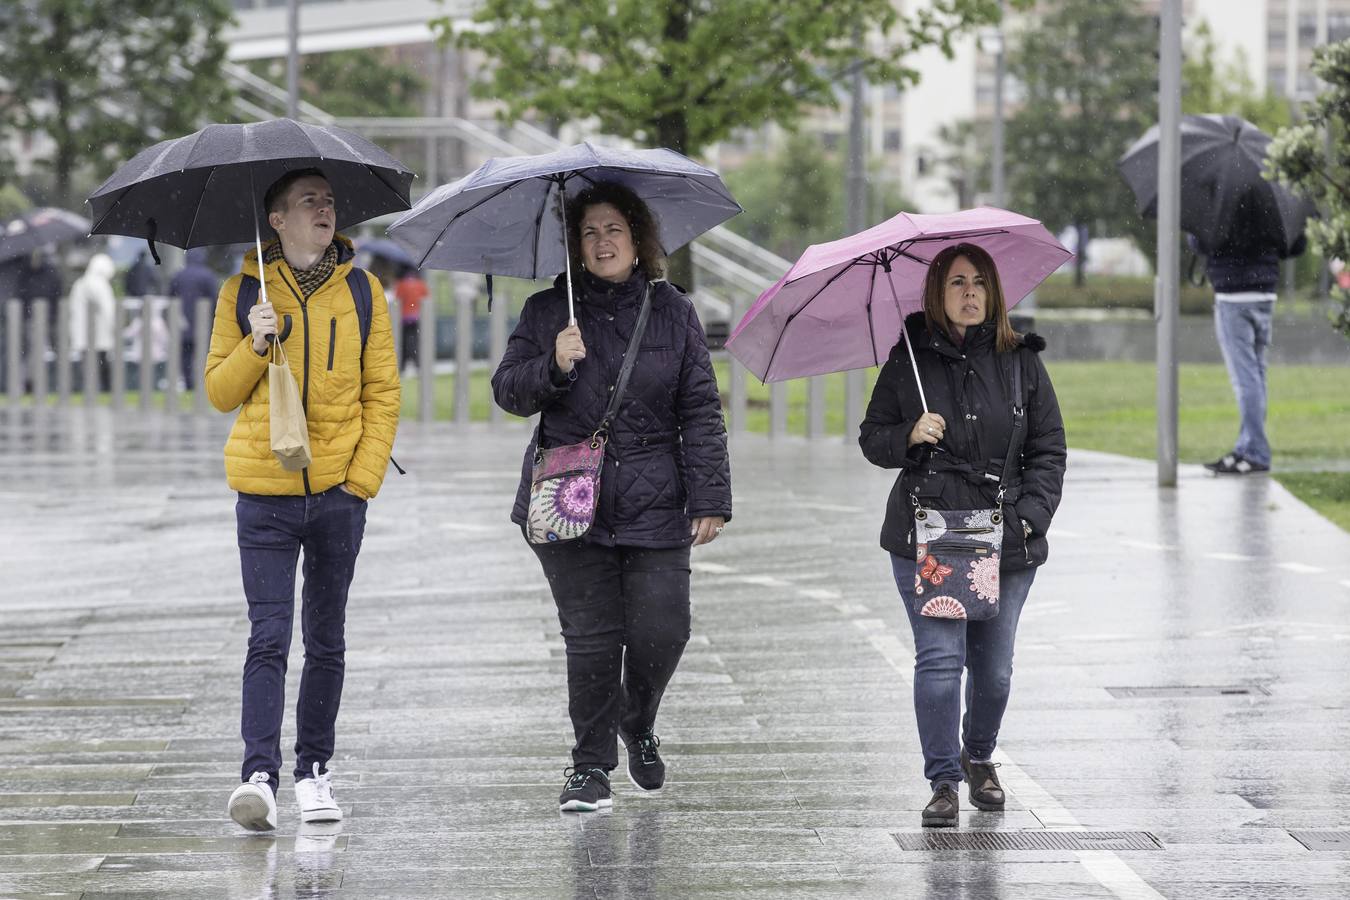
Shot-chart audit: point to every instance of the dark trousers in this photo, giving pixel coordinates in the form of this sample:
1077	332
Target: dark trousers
412	331
272	532
624	613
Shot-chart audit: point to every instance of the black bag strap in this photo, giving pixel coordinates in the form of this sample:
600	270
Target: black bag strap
1019	435
629	359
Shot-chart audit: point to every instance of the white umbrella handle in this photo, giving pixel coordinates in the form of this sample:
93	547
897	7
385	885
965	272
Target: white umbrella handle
567	253
257	238
904	332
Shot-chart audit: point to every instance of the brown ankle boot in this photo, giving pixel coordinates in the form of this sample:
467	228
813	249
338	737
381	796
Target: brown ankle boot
985	791
944	809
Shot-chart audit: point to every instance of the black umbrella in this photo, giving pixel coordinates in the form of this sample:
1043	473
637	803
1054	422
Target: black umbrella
36	228
206	188
1224	197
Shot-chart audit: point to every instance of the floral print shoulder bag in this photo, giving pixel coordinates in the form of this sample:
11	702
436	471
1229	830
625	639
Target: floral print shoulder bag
956	552
565	485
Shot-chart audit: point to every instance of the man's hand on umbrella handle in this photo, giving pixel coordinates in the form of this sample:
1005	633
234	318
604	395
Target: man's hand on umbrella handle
928	430
568	348
705	529
262	319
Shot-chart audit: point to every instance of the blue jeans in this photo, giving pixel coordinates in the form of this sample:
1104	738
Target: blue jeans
272	531
1243	330
942	648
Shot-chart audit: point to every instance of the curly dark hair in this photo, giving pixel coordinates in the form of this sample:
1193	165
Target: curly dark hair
641	222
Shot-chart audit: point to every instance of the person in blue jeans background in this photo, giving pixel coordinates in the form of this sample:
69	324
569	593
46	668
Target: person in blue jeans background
953	455
1245	273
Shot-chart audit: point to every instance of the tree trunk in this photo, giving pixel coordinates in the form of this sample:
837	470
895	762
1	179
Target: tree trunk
1080	258
66	151
672	132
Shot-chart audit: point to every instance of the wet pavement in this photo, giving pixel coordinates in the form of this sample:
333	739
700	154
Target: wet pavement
1181	679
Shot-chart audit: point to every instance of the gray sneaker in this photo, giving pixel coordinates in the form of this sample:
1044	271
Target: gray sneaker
253	805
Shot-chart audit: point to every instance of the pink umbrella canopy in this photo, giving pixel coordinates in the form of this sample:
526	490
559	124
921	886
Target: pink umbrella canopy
841	304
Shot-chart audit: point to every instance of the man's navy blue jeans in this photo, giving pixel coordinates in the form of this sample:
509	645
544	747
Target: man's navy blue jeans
1243	330
272	532
942	648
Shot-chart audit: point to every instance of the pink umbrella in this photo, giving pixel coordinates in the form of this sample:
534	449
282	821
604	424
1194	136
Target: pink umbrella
841	304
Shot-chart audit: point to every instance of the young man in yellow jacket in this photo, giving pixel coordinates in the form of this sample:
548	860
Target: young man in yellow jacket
350	391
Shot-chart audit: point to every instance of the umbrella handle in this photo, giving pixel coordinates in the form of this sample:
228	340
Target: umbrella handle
285	330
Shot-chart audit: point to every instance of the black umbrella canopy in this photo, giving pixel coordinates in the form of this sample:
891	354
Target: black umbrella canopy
1224	196
206	188
23	234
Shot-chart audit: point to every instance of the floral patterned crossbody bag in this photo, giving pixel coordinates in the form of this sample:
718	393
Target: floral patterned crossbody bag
565	485
956	552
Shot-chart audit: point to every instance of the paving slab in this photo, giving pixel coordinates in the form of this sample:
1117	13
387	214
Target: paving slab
1180	671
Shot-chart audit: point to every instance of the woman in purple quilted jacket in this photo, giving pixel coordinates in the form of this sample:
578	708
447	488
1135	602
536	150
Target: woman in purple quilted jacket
622	589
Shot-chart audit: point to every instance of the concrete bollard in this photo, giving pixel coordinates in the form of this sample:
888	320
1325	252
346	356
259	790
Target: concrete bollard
173	364
62	345
146	382
426	350
89	361
37	353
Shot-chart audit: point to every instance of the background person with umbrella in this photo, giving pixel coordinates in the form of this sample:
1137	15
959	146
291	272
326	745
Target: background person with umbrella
622	590
1244	225
206	189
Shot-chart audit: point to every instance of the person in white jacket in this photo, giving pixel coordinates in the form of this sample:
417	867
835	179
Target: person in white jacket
92	296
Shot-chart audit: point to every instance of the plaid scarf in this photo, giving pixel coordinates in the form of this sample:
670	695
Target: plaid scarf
311	279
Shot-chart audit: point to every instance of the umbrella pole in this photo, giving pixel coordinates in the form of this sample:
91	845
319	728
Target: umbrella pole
904	332
567	253
257	237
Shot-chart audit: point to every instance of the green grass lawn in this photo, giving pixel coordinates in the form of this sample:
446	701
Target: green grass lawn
1109	406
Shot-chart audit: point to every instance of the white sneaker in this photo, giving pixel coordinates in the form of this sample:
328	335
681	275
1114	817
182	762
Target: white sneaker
314	796
253	805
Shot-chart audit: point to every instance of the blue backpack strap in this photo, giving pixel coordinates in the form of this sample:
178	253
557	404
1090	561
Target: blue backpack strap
248	295
358	282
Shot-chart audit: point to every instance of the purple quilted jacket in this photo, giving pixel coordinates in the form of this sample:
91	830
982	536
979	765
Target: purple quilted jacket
667	456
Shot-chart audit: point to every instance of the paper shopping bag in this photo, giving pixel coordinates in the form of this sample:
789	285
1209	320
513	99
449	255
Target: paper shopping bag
290	431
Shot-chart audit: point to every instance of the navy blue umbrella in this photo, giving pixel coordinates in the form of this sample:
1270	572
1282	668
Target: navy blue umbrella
506	217
36	228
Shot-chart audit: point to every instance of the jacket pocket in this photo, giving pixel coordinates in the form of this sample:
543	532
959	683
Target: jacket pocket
332	341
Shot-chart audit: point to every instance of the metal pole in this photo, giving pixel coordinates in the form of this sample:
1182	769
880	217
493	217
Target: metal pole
63	350
89	370
293	59
464	297
201	343
173	364
737	373
13	349
496	348
997	160
118	377
146	381
1291	59
37	351
1328	150
426	351
1169	225
857	219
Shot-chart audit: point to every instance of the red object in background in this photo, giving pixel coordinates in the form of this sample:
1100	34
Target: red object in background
410	291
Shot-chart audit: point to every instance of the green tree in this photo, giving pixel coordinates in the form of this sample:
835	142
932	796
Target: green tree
795	197
1210	85
1307	157
104	78
1087	71
353	82
685	74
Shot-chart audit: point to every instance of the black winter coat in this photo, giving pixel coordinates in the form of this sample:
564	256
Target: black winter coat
666	461
971	388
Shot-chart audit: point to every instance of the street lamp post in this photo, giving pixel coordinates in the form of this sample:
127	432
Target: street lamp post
293	59
1167	288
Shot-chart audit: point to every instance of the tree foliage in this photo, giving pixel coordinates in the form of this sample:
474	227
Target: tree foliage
687	73
1088	72
370	82
1212	85
104	78
1308	158
796	197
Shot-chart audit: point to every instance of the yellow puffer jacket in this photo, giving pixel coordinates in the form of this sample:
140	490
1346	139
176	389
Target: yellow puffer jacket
352	409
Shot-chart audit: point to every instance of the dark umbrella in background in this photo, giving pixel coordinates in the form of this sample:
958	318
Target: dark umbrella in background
204	189
1223	192
389	250
36	228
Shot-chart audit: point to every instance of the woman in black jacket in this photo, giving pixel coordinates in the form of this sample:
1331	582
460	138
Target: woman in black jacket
622	590
951	457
